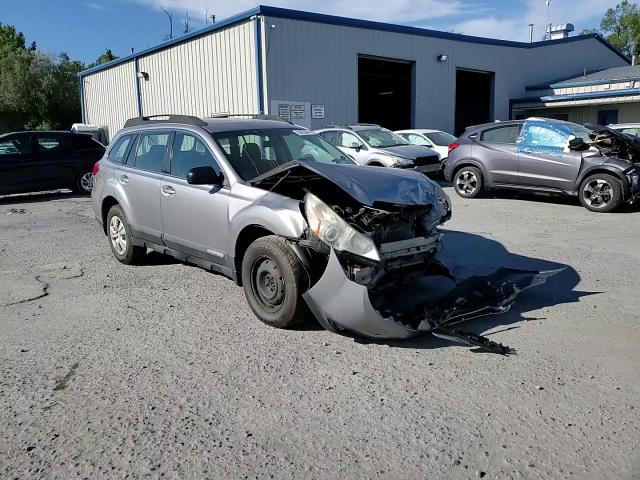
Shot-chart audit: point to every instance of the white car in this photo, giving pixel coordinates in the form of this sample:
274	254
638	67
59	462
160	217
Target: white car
434	139
628	128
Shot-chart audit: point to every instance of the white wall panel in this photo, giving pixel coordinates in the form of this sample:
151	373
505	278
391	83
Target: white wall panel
110	97
213	73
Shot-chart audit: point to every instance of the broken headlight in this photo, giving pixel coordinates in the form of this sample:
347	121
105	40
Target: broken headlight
335	232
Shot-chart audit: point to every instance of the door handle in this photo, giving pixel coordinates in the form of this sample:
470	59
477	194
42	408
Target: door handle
123	179
168	190
527	150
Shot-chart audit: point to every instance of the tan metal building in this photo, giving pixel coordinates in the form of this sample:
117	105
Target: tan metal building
317	70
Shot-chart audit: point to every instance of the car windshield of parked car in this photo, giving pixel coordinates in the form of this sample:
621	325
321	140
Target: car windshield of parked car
381	138
442	139
254	152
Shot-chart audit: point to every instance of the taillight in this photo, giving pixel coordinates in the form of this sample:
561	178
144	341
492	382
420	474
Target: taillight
453	146
96	168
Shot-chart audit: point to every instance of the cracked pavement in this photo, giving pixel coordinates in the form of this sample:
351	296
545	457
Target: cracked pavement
162	371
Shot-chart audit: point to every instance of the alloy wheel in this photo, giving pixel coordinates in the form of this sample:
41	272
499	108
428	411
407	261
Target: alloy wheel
86	181
466	182
597	193
118	235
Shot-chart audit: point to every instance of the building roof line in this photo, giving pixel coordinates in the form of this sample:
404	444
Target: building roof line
286	13
576	96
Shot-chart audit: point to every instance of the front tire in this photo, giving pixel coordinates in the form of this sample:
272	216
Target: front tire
120	238
601	193
467	182
274	279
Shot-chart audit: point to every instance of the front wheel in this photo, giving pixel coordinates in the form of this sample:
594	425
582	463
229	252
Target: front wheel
274	279
467	182
601	193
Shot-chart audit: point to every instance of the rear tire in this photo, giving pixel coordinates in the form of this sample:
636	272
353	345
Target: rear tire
120	238
601	193
84	182
274	279
467	182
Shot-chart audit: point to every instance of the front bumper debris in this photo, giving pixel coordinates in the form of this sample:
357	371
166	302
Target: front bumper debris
427	300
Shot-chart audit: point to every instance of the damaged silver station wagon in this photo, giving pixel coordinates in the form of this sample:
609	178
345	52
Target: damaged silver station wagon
295	222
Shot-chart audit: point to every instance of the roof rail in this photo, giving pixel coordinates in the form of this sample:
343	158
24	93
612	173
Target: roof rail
254	116
153	119
367	125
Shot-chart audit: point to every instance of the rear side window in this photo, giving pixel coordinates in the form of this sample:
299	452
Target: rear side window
118	151
189	152
52	142
151	150
330	136
507	134
84	142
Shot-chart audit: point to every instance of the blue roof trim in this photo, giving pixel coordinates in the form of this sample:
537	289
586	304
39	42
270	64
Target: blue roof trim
184	38
577	96
587	83
351	22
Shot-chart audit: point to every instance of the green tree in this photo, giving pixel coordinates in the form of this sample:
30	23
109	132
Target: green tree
621	26
106	57
37	89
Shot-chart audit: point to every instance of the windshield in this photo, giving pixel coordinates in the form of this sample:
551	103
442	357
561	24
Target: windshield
381	138
254	152
442	139
582	132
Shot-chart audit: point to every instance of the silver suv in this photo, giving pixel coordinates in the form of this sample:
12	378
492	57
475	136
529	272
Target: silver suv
287	216
375	146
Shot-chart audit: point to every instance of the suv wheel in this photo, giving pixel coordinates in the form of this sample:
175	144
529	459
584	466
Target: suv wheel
120	240
274	279
467	182
600	193
84	182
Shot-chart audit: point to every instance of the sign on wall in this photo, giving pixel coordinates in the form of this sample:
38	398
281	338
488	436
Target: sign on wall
317	111
298	113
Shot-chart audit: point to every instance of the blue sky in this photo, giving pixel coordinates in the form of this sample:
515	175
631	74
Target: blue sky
85	28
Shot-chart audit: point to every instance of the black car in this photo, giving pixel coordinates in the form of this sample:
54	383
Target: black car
34	161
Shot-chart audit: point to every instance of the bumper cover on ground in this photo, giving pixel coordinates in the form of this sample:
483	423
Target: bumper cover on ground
339	303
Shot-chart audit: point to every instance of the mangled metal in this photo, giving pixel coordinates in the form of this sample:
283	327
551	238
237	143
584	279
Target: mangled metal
376	236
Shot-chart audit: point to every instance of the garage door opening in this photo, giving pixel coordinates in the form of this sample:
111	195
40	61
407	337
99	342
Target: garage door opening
474	98
385	92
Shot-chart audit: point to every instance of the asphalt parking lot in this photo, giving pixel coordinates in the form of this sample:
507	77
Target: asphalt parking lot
162	370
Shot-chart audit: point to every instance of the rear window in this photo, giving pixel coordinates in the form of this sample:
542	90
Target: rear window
119	149
508	134
84	142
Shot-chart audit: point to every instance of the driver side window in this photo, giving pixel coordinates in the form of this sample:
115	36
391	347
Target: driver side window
349	140
544	136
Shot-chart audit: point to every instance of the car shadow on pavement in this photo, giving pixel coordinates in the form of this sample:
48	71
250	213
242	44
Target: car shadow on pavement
39	197
468	254
524	196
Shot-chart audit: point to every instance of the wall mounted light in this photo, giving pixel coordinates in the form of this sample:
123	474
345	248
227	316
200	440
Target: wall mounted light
143	75
442	57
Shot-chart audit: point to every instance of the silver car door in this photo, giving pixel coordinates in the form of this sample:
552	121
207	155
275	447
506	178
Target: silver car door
139	184
194	216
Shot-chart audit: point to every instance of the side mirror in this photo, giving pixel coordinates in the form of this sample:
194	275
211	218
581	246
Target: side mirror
357	146
204	176
578	144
